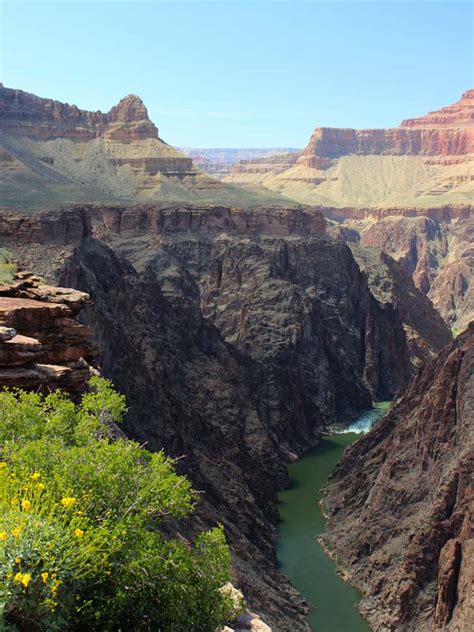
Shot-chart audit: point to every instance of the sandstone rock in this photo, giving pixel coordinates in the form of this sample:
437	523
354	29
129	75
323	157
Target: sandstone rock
53	353
460	114
19	350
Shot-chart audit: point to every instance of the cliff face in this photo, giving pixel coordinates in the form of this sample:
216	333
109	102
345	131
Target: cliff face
401	502
42	346
25	114
460	114
434	247
236	337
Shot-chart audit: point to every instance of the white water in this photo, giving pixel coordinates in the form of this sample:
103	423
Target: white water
365	422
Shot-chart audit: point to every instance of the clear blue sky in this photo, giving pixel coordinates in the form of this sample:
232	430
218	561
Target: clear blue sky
255	73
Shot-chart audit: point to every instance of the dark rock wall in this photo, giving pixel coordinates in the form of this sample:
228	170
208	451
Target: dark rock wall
401	503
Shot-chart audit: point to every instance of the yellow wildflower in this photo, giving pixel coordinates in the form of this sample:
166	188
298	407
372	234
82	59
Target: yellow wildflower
35	476
44	577
68	502
55	585
2	465
78	533
16	532
17	560
40	486
3	536
25	504
25	580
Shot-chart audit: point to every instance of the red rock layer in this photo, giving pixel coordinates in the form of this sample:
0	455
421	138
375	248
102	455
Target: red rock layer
401	503
25	114
447	132
42	346
457	115
328	142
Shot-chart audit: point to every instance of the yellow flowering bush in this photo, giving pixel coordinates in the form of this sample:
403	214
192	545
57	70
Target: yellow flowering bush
80	515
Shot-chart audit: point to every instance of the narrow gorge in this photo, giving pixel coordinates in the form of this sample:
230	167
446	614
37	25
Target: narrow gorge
236	336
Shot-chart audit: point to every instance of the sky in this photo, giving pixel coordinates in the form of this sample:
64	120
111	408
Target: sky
248	73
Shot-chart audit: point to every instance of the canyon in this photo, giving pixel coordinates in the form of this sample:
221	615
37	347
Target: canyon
242	325
237	336
401	503
218	162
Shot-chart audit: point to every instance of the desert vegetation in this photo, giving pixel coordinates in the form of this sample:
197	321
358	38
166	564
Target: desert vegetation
82	511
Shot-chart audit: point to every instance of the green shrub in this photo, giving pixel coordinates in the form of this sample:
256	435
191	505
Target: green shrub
80	514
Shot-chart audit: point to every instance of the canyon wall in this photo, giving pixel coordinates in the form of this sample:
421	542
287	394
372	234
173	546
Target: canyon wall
236	336
401	503
435	246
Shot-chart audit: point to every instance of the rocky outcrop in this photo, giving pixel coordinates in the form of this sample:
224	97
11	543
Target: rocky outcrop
42	346
25	114
237	336
401	503
328	142
392	286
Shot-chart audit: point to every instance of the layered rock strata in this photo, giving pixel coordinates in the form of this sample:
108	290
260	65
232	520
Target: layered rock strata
427	161
53	153
236	335
42	346
401	503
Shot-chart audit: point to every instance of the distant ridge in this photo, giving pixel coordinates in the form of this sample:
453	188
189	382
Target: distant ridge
54	153
427	161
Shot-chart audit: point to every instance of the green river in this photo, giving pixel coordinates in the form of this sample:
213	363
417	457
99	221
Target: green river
301	558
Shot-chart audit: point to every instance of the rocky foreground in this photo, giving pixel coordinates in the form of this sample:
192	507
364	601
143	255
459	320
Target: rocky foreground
401	503
42	346
236	336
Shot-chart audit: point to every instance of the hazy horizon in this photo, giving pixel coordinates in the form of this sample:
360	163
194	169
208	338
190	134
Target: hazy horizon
243	74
